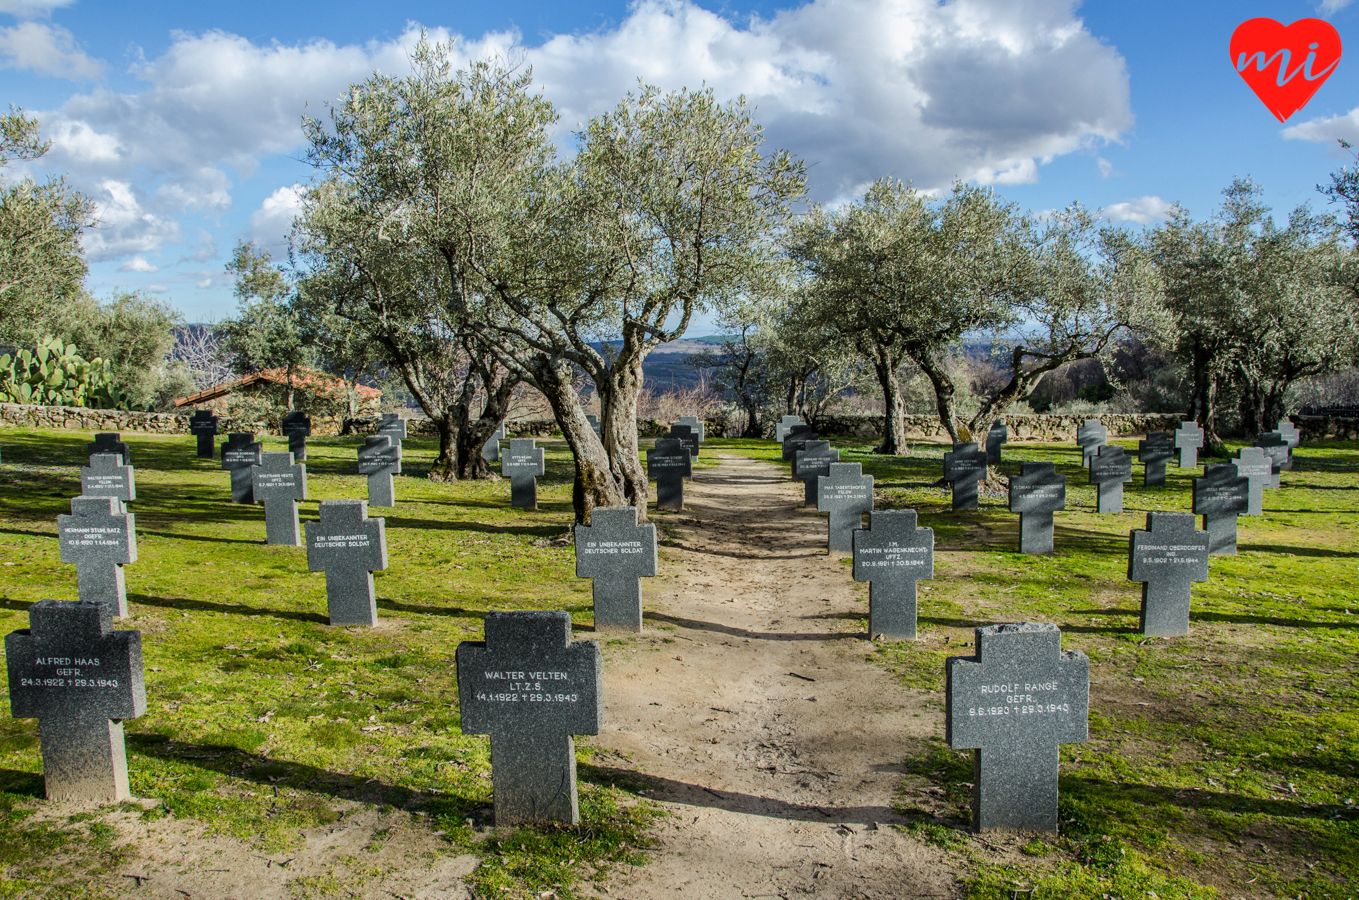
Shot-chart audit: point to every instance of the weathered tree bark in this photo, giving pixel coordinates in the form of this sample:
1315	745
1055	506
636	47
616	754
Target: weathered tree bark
894	406
618	400
595	484
944	399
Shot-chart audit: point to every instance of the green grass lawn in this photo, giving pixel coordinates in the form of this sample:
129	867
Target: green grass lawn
1233	750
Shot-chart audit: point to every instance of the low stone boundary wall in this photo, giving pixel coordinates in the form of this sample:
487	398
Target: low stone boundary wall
1026	427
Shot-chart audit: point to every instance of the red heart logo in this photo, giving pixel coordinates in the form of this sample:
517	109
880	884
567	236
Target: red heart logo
1285	65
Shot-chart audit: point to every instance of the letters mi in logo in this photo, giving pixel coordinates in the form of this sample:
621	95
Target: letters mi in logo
1285	64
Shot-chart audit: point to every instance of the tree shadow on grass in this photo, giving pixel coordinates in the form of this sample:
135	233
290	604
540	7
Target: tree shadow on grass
27	784
237	609
210	539
1252	619
428	525
708	551
1149	797
1298	551
695	625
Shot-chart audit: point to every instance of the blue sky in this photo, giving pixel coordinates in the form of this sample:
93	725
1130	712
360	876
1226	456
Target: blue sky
181	120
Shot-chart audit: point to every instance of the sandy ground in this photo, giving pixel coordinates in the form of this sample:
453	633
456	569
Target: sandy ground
772	741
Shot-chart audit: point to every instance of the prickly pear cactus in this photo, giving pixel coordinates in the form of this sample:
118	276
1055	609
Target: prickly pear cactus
54	374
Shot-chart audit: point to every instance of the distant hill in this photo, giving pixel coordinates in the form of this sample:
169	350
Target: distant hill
665	368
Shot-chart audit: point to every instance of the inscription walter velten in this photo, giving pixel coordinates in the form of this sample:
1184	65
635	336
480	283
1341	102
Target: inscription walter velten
528	687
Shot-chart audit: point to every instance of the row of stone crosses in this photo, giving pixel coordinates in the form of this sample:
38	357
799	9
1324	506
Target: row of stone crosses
531	688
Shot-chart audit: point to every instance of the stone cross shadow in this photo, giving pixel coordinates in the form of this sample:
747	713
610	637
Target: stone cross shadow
530	687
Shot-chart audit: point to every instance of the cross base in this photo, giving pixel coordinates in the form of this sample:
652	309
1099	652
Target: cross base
205	446
1165	610
1110	497
530	785
1155	475
297	445
1221	535
1189	457
280	523
83	758
1015	788
892	611
1035	532
103	582
670	493
347	602
965	494
524	491
381	491
242	488
618	604
840	536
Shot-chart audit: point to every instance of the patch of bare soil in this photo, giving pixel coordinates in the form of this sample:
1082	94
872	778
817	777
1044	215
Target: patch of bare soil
770	738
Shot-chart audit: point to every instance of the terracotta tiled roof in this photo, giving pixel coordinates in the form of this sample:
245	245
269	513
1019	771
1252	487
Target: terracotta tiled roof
303	379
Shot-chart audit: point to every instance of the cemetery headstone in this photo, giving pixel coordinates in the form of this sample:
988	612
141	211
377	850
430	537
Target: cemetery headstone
80	679
394	427
1154	452
99	537
1280	457
203	426
699	428
1252	465
669	463
1090	437
380	459
964	468
892	554
106	476
810	463
1167	558
846	493
616	552
491	450
1037	492
1188	440
1014	704
687	436
1110	469
594	424
795	439
995	438
530	687
1291	434
278	484
109	442
296	427
1220	496
522	463
348	546
781	430
241	453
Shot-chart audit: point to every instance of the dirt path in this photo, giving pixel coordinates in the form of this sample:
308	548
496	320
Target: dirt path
775	745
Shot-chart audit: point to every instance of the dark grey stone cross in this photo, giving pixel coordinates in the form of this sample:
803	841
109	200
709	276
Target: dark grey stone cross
686	436
240	454
278	483
1014	704
1090	437
522	463
809	464
1220	496
964	467
795	439
109	442
594	424
1037	492
781	430
1110	469
393	426
998	434
1279	453
892	554
846	493
296	427
1291	434
106	476
669	463
100	537
1252	465
1188	440
80	679
530	687
203	426
697	427
348	546
1167	558
1154	453
380	459
616	552
490	451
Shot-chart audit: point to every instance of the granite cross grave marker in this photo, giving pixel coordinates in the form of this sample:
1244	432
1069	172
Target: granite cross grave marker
1014	704
522	463
1188	440
1276	448
80	679
686	436
810	463
109	442
892	554
490	451
1090	437
616	552
699	428
795	439
241	453
203	425
296	427
846	493
1037	492
1252	465
100	537
380	459
1220	496
106	476
348	546
1154	452
669	463
998	435
964	467
530	687
1110	468
392	425
781	429
278	483
594	424
1291	434
1167	557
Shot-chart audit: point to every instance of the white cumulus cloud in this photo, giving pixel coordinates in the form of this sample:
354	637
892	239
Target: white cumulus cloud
47	50
138	264
1142	210
29	8
273	220
1329	7
1328	130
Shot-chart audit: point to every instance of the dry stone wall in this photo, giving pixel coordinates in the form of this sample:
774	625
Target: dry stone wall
1028	427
